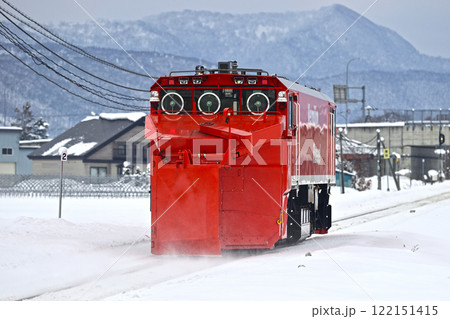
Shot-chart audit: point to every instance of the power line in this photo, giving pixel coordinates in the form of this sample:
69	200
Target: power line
41	59
66	44
68	62
38	61
60	86
14	39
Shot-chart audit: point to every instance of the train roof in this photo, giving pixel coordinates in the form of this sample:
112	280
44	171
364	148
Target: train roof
231	68
303	89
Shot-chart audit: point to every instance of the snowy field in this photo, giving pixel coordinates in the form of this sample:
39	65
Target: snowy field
100	250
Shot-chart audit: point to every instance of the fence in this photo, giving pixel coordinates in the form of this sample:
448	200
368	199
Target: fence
75	186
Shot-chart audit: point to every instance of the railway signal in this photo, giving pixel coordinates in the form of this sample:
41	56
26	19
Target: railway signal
386	154
441	139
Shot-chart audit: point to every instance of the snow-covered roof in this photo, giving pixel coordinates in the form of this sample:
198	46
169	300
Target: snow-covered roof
10	128
373	124
91	133
33	142
346	172
132	116
301	88
74	149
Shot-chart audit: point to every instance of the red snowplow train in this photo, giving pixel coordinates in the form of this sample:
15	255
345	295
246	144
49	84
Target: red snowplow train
240	159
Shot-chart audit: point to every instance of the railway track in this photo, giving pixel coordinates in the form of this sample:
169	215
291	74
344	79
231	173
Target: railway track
367	216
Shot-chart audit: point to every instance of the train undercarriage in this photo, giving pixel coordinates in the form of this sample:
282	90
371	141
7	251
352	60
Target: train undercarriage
308	212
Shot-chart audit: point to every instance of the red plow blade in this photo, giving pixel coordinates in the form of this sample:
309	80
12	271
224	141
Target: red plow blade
185	208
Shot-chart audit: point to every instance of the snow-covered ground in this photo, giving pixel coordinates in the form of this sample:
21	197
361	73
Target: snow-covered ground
100	250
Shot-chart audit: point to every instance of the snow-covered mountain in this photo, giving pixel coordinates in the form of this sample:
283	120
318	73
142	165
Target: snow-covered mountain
283	43
395	74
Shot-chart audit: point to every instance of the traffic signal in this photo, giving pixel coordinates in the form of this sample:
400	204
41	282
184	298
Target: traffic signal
441	139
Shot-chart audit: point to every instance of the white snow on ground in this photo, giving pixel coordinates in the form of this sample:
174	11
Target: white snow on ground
100	250
404	256
41	252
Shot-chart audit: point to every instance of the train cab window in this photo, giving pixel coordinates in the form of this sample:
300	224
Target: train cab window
213	101
176	101
259	101
291	112
333	122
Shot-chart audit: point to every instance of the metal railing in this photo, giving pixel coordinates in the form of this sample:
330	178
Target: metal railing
75	186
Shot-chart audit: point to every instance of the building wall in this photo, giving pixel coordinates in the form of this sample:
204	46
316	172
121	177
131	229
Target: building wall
105	153
134	143
53	167
111	168
9	140
402	139
17	162
7	168
72	167
24	164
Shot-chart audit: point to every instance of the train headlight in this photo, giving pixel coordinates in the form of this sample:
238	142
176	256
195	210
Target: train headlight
154	96
208	103
197	80
183	81
258	103
252	81
238	80
172	103
282	96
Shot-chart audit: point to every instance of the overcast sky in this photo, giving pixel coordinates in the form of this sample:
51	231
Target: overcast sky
425	24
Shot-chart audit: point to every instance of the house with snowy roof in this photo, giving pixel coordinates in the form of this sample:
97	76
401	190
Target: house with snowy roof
97	146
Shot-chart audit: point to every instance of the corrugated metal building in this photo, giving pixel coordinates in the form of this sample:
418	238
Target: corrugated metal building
14	156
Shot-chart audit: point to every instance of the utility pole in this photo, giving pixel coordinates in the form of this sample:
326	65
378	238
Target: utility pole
4	107
392	168
363	101
387	173
423	170
379	159
342	161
